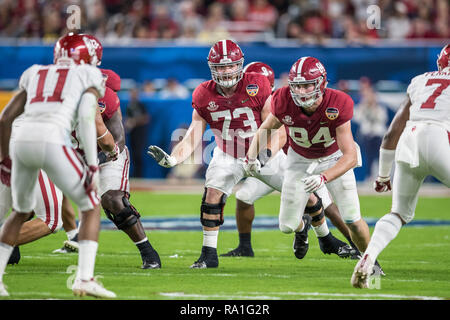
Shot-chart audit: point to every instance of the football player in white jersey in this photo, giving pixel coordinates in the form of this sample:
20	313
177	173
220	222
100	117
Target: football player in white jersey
418	139
54	99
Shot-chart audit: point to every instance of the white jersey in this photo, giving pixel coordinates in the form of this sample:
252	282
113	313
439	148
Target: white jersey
430	98
53	94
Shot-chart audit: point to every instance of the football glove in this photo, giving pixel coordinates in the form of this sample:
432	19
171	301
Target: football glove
382	184
251	166
314	182
92	179
160	156
5	171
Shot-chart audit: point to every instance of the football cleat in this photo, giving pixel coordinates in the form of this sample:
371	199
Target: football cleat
330	244
3	292
301	244
208	259
239	252
92	288
14	258
362	271
71	246
152	261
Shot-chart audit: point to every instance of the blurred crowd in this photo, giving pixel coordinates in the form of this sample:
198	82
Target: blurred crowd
205	21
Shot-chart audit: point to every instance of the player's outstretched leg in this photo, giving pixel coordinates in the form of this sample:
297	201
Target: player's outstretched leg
211	218
301	244
126	218
85	283
245	214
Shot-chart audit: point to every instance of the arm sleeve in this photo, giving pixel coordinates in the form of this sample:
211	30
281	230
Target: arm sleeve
86	126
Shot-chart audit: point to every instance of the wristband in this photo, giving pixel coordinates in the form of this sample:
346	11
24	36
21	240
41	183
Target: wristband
385	162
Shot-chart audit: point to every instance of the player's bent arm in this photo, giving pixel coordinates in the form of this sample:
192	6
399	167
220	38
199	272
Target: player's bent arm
396	127
115	126
105	139
390	139
349	159
86	118
12	110
265	112
191	140
263	136
277	141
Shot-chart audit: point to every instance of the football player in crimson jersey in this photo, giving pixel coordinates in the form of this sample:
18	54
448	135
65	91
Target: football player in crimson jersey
422	121
253	189
114	187
321	147
232	103
53	98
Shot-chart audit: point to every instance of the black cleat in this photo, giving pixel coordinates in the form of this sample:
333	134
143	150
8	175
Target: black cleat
301	244
14	258
330	244
151	261
377	270
208	259
239	252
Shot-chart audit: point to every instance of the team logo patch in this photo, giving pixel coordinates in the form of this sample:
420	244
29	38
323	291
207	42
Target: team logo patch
101	106
252	90
332	113
212	106
288	120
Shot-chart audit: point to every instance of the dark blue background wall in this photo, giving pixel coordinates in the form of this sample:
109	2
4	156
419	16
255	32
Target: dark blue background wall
147	63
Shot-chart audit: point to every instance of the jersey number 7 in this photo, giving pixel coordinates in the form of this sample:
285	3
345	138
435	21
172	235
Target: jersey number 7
443	84
56	96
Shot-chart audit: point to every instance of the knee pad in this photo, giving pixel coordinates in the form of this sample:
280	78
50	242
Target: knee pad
313	209
125	218
285	228
212	209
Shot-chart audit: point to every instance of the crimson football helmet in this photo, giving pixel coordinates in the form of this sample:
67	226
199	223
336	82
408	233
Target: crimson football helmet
262	68
226	53
307	70
78	47
443	60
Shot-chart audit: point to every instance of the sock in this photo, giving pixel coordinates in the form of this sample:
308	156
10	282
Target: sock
386	229
321	230
71	234
5	253
144	246
210	238
86	259
245	240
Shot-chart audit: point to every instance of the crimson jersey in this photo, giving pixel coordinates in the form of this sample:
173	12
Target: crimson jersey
234	120
109	104
313	136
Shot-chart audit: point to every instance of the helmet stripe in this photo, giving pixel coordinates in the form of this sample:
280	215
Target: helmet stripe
224	47
300	66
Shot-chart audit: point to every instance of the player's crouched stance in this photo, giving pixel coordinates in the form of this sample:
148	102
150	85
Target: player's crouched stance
233	104
42	142
418	139
321	148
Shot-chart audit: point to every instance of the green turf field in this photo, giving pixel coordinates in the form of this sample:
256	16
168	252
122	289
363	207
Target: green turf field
417	262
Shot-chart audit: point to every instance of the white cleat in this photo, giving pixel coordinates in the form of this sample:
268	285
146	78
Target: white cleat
363	270
71	246
92	288
3	292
